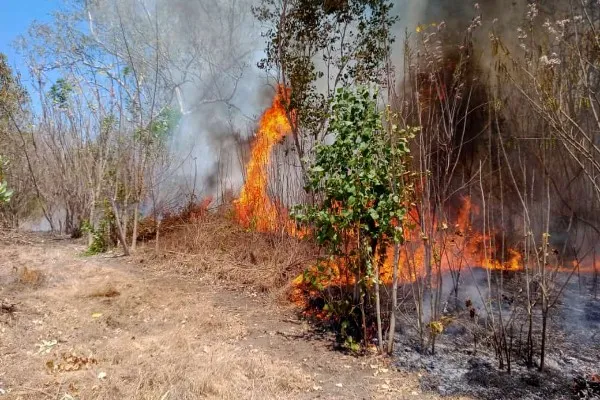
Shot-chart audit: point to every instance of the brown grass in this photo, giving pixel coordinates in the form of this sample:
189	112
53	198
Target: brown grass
149	337
219	371
104	291
192	351
30	277
218	246
167	335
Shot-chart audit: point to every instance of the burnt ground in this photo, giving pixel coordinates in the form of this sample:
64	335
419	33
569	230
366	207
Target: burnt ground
462	366
107	327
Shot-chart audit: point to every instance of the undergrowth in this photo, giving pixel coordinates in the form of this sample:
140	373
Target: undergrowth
99	243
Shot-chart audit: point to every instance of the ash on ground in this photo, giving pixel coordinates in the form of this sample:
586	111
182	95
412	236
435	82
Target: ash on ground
464	364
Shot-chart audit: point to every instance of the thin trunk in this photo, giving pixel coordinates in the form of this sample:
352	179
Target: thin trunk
364	318
92	218
596	273
544	286
390	344
156	246
530	339
543	346
120	233
378	308
135	226
125	218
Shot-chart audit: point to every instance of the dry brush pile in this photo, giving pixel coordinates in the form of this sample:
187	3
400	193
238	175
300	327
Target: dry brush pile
216	244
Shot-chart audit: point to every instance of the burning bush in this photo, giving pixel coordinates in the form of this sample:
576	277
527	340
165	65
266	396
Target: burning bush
360	178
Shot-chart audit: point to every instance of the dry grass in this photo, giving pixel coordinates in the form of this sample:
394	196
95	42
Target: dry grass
106	290
218	246
167	335
192	351
218	371
159	338
30	277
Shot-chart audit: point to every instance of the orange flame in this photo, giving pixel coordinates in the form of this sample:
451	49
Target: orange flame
455	248
254	209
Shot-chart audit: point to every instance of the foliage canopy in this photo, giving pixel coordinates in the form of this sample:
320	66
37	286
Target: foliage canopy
360	176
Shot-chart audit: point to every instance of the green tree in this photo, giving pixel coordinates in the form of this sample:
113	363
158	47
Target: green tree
360	179
60	92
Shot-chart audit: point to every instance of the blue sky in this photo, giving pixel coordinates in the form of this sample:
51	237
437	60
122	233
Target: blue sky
15	18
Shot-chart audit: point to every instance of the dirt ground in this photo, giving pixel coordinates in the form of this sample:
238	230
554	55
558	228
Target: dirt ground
107	327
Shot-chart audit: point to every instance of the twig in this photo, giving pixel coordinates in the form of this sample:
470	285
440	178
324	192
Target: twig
9	308
164	396
58	390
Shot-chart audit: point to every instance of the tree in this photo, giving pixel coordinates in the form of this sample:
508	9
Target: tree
553	78
5	192
169	52
110	80
360	179
315	47
13	99
10	95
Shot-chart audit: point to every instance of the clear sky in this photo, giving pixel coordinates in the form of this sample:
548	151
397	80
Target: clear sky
15	18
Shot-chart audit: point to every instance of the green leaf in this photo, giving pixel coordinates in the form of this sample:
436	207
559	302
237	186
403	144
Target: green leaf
374	214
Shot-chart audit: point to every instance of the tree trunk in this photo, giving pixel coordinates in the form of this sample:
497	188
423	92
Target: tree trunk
378	308
596	274
364	318
544	326
135	226
120	232
390	344
125	219
92	218
530	339
157	236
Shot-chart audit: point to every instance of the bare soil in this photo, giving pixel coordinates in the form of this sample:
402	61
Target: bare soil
108	327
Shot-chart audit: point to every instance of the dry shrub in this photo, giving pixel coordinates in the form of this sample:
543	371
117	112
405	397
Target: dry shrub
172	220
30	277
217	245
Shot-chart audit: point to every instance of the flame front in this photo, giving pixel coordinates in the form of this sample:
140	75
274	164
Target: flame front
455	247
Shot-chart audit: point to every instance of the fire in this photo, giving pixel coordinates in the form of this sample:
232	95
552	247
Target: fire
465	246
254	209
456	247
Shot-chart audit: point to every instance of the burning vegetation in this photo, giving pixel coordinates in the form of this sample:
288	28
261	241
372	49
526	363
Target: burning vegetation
478	245
438	198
